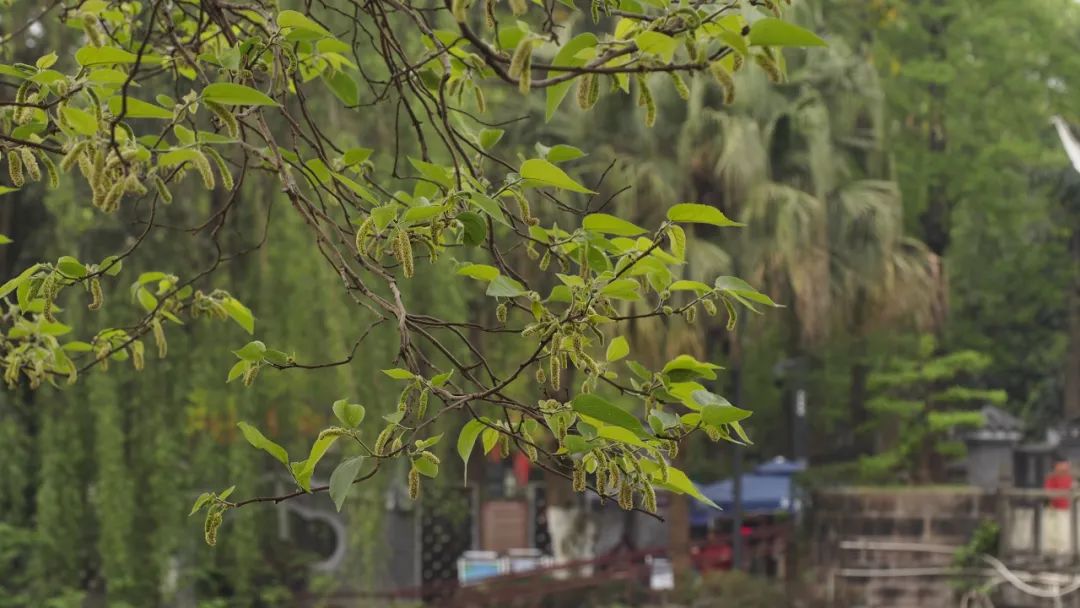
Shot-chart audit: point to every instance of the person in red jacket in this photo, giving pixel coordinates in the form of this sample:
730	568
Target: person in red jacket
1059	479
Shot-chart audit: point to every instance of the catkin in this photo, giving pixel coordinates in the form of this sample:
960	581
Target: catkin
733	316
96	297
578	478
585	84
489	14
33	171
250	374
724	79
92	28
648	497
626	496
645	98
202	165
541	376
223	167
414	483
232	127
458	10
709	306
422	403
680	86
500	312
519	7
211	525
52	175
162	189
382	440
771	69
73	155
159	338
736	62
15	169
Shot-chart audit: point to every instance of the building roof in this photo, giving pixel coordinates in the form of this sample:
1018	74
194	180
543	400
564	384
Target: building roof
998	425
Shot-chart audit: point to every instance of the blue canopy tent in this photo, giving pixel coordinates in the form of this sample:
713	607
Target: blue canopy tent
767	490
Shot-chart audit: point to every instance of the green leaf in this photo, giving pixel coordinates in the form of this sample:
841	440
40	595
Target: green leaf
301	21
237	370
609	224
200	502
423	444
677	482
146	299
615	433
547	174
71	267
475	228
46	61
504	287
252	351
489	206
481	272
13	284
466	441
696	213
775	32
617	349
350	414
601	409
489	137
489	438
622	289
341	480
258	440
241	314
563	153
685	367
441	379
230	94
567	56
7	189
82	121
91	55
426	467
742	289
658	44
137	108
344	87
398	373
318	450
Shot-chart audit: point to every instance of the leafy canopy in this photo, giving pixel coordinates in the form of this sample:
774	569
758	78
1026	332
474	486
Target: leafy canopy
564	276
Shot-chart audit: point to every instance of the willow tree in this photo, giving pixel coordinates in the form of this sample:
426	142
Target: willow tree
232	83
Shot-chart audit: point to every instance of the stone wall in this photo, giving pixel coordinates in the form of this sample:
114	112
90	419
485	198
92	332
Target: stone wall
859	538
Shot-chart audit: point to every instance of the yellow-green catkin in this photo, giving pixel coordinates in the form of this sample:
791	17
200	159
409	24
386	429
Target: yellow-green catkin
586	84
732	314
96	296
724	79
138	360
159	338
519	7
202	165
489	14
645	98
541	376
626	495
769	65
481	102
414	483
15	169
250	374
382	440
458	8
92	27
500	312
407	267
504	445
362	234
680	86
690	314
232	127
223	167
211	525
736	62
33	170
648	497
578	478
51	174
709	306
73	155
162	190
422	404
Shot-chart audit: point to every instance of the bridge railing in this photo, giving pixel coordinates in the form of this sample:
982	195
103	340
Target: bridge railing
1041	522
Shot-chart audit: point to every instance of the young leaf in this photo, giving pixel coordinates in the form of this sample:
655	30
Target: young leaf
599	408
350	414
547	174
609	224
398	373
617	349
258	440
696	213
771	31
252	351
341	480
466	441
426	467
504	287
230	94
